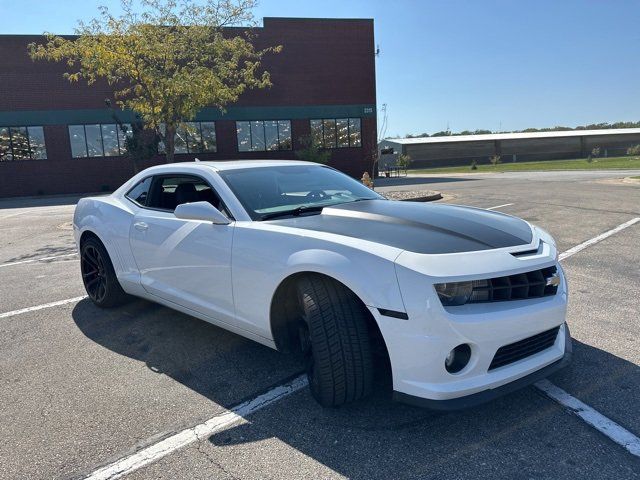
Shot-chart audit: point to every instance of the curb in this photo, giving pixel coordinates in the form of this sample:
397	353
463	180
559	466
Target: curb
425	196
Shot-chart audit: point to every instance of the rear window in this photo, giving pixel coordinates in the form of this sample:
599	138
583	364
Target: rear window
140	193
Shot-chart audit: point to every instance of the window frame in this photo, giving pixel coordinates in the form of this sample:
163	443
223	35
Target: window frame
335	129
160	176
28	136
264	135
126	195
119	134
187	136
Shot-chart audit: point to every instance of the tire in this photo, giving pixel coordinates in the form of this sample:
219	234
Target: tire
335	342
98	275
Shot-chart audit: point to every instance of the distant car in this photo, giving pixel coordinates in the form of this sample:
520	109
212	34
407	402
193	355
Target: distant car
464	304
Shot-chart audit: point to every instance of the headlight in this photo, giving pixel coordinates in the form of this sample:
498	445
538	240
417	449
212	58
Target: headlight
457	293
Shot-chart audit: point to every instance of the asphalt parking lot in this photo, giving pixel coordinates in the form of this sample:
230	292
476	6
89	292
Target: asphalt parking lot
83	388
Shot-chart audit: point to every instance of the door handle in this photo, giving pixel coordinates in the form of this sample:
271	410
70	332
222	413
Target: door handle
141	226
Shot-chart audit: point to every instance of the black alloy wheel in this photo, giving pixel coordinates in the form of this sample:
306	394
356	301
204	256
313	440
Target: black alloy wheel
98	275
93	273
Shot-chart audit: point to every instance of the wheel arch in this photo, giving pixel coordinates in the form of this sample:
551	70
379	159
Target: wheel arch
87	234
284	315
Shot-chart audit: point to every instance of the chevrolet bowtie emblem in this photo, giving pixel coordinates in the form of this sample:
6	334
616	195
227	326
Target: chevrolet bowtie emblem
553	280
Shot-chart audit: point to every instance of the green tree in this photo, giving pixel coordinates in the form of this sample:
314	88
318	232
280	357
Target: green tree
403	161
311	152
165	59
635	150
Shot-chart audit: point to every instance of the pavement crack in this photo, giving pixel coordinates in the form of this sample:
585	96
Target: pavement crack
201	450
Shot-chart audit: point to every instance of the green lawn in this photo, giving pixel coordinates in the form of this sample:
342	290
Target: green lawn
507	166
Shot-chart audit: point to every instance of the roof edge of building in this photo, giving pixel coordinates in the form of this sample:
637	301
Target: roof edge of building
512	136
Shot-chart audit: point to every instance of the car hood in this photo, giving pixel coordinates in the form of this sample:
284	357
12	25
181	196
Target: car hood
418	227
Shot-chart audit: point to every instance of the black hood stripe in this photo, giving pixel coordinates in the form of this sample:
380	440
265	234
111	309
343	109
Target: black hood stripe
398	221
418	227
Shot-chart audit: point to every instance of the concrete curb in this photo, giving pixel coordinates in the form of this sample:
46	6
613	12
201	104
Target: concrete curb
423	196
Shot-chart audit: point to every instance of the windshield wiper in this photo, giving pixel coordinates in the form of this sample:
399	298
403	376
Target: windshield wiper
295	212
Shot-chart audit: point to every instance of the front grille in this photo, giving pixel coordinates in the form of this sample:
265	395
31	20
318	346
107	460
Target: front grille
524	348
521	286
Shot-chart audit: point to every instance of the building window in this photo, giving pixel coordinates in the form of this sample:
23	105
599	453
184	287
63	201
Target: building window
264	135
193	137
336	132
22	143
98	140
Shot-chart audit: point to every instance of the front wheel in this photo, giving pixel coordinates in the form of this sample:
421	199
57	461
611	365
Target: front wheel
335	341
98	275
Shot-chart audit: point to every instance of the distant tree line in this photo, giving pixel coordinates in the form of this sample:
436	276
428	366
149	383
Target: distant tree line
593	126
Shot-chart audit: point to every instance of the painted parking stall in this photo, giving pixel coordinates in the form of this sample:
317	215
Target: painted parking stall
241	435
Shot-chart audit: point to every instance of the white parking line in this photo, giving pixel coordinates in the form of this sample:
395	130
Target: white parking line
11	215
199	432
35	260
602	236
181	439
499	206
41	307
611	429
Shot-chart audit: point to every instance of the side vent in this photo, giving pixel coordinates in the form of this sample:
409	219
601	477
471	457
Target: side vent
529	253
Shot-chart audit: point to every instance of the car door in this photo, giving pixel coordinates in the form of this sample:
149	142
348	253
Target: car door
187	262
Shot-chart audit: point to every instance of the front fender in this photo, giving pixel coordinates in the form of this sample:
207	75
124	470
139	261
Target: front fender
263	258
373	280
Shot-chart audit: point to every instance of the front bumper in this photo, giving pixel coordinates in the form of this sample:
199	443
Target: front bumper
492	393
419	344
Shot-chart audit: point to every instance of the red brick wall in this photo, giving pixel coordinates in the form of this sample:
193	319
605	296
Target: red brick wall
323	62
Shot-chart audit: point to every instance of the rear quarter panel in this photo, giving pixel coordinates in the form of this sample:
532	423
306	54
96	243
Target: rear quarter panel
110	218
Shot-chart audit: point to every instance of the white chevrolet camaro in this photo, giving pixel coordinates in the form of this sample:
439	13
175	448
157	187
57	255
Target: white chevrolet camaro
464	304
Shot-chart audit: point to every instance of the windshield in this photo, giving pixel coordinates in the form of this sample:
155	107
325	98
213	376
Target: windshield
270	192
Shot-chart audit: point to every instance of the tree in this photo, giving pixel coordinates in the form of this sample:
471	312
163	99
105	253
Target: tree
403	161
165	59
140	146
634	150
311	152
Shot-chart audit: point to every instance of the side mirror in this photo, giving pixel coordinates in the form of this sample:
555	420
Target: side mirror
201	211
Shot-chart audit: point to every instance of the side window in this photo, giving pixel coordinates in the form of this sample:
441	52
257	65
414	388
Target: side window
170	191
140	193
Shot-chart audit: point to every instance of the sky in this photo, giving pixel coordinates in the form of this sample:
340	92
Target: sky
460	64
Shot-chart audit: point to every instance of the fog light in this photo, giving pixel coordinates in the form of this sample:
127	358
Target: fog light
458	358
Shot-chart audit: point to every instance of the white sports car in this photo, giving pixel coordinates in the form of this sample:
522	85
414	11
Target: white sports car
464	304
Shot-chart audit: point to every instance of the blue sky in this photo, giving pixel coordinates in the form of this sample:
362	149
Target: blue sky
491	64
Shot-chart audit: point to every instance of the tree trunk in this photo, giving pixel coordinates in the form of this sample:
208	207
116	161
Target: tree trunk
170	143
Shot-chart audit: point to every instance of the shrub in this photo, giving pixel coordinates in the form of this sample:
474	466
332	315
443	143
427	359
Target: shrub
595	152
635	150
366	180
311	152
474	165
495	160
403	161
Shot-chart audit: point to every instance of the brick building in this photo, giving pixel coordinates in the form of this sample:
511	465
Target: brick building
57	137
